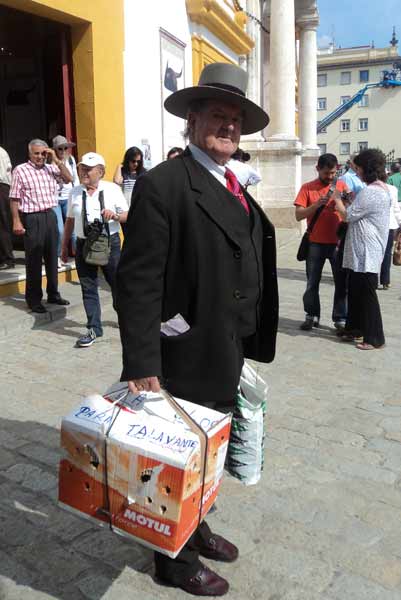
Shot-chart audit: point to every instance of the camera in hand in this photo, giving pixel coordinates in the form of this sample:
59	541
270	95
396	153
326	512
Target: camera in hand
346	197
94	230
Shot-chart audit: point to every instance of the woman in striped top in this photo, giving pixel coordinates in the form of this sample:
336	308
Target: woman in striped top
128	172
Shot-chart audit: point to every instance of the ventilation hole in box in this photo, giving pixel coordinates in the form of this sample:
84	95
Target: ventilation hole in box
189	484
78	450
215	455
146	475
149	500
222	437
94	459
87	486
70	469
166	490
163	509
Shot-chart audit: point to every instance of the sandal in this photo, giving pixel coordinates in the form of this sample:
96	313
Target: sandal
364	346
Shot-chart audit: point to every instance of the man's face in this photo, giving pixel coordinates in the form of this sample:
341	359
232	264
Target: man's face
37	155
327	174
62	152
216	129
90	176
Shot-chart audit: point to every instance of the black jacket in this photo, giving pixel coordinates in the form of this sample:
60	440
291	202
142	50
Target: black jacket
182	255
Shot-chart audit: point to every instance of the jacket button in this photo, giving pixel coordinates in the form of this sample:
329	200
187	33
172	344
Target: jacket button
237	294
237	254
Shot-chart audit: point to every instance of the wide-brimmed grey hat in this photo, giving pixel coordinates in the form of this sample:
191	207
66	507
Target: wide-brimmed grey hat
225	82
60	140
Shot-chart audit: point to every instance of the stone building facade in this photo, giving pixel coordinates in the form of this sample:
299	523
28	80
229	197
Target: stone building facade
373	121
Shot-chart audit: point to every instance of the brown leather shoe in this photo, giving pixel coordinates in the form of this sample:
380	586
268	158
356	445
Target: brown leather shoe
218	548
205	583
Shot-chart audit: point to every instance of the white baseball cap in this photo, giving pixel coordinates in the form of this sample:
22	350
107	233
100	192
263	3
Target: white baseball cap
91	159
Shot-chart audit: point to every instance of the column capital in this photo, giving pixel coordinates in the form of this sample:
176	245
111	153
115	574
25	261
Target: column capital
308	23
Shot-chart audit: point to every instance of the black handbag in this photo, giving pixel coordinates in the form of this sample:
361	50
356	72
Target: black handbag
303	249
96	249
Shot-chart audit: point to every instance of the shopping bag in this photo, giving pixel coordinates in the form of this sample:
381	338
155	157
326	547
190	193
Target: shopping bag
245	455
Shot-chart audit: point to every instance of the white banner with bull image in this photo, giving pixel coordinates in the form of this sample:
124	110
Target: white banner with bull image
172	73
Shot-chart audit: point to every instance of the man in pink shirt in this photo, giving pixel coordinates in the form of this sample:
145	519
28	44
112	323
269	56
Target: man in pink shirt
33	195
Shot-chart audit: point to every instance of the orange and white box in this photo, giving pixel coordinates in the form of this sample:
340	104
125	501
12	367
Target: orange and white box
142	465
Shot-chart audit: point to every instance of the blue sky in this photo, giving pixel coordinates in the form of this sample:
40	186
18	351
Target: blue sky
358	22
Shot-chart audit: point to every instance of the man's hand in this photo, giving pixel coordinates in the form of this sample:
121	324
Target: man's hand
109	215
321	202
64	254
50	154
18	228
147	384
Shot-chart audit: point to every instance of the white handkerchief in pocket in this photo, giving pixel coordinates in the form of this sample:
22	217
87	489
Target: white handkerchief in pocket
175	326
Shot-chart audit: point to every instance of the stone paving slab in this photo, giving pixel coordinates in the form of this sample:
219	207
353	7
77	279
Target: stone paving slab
323	524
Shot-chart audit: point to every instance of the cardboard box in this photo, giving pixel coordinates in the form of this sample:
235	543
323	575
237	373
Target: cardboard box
162	473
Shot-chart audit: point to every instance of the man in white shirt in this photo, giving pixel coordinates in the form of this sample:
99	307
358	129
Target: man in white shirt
93	193
6	247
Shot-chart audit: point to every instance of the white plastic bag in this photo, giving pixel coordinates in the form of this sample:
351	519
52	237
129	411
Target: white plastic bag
245	454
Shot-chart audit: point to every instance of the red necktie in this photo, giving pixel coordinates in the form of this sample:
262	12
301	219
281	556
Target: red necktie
234	187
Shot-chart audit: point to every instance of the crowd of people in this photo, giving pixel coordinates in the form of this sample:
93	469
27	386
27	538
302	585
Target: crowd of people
198	249
47	200
352	222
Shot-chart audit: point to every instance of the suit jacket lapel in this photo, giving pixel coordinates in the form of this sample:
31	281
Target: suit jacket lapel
211	197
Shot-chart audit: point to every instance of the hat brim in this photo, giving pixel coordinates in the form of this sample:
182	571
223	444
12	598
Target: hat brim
86	164
255	118
68	144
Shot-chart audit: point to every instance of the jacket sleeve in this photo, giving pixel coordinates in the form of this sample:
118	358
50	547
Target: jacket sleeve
140	282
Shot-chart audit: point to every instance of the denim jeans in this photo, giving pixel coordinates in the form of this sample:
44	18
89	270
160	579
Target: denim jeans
61	214
317	256
88	278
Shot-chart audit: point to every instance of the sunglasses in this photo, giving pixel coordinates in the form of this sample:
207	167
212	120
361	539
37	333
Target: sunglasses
135	161
62	148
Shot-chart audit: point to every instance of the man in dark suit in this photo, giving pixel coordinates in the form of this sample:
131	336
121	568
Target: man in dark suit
198	246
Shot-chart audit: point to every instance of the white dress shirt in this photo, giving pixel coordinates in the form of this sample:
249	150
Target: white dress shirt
215	169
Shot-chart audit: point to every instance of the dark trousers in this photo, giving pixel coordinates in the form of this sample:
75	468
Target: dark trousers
88	278
364	314
6	245
317	256
186	563
40	243
386	264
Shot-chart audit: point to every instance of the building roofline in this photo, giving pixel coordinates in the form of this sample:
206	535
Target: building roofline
389	60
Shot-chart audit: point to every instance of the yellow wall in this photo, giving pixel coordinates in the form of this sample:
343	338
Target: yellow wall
203	53
213	17
97	32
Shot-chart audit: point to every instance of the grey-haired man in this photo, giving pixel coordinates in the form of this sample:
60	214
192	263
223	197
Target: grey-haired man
33	196
197	244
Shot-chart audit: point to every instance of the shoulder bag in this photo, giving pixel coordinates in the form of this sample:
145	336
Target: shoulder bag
303	249
96	249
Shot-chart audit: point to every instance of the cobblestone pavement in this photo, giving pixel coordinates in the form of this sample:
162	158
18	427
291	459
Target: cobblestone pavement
324	523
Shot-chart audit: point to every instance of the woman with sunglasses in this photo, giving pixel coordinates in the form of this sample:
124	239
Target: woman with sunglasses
128	172
62	148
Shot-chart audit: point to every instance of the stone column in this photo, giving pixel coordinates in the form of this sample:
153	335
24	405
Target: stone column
308	94
254	63
282	70
254	58
308	84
